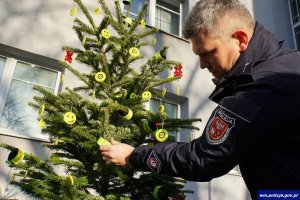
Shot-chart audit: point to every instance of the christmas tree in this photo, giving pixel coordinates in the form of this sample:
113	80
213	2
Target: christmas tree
109	103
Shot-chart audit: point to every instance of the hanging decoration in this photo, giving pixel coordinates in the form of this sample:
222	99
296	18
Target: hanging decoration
42	124
68	56
146	96
69	118
105	33
102	141
97	10
16	156
100	76
134	52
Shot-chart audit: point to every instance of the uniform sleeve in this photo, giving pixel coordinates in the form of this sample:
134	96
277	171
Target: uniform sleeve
211	155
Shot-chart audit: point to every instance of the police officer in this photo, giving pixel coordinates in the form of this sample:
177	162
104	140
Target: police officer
256	124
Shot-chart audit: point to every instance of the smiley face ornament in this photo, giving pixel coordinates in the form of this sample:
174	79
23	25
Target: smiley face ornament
134	52
161	135
69	118
146	96
100	76
105	33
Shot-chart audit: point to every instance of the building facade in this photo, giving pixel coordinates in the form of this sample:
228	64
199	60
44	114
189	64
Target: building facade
33	32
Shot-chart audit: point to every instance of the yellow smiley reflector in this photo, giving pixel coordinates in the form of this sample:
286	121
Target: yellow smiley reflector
73	11
102	141
105	33
143	23
83	40
129	115
71	179
42	109
42	123
100	76
97	10
161	135
16	156
69	118
146	96
161	108
153	41
163	92
134	52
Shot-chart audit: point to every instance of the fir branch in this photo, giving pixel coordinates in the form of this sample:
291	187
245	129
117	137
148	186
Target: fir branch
74	71
86	13
86	28
137	20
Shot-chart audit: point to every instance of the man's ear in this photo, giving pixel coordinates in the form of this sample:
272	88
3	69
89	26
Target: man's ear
243	39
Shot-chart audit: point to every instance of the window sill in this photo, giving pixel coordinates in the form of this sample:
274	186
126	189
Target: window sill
14	134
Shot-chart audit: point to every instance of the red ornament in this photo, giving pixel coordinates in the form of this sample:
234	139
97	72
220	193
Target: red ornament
178	71
68	56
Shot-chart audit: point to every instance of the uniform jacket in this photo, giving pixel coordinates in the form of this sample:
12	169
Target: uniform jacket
256	124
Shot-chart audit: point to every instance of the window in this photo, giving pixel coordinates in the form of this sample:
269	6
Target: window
163	14
171	109
167	16
295	12
17	118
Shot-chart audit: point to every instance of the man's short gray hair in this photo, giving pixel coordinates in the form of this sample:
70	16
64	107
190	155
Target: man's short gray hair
206	15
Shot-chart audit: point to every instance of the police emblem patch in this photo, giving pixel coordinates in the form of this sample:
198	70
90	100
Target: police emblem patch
153	162
219	126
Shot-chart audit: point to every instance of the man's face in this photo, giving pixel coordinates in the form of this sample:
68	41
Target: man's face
217	55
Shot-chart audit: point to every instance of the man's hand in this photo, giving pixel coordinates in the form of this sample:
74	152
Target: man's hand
117	152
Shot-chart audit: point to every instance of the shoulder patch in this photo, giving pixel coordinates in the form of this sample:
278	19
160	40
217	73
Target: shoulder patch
153	162
219	127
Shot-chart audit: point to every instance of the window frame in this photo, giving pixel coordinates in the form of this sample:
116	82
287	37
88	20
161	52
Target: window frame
294	25
13	56
152	12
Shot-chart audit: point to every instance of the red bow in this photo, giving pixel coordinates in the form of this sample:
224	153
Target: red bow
68	56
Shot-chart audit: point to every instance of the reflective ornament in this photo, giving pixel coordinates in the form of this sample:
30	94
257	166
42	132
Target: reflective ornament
42	123
83	41
143	23
71	179
42	109
69	118
128	21
102	141
161	135
154	41
134	52
100	76
163	92
171	78
16	156
160	56
146	96
129	115
161	108
132	96
73	11
97	10
105	33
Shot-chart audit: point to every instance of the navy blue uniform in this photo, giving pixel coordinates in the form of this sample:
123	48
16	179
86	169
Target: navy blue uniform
256	124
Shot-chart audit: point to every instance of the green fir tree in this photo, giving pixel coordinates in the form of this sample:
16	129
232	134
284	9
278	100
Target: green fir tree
110	103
